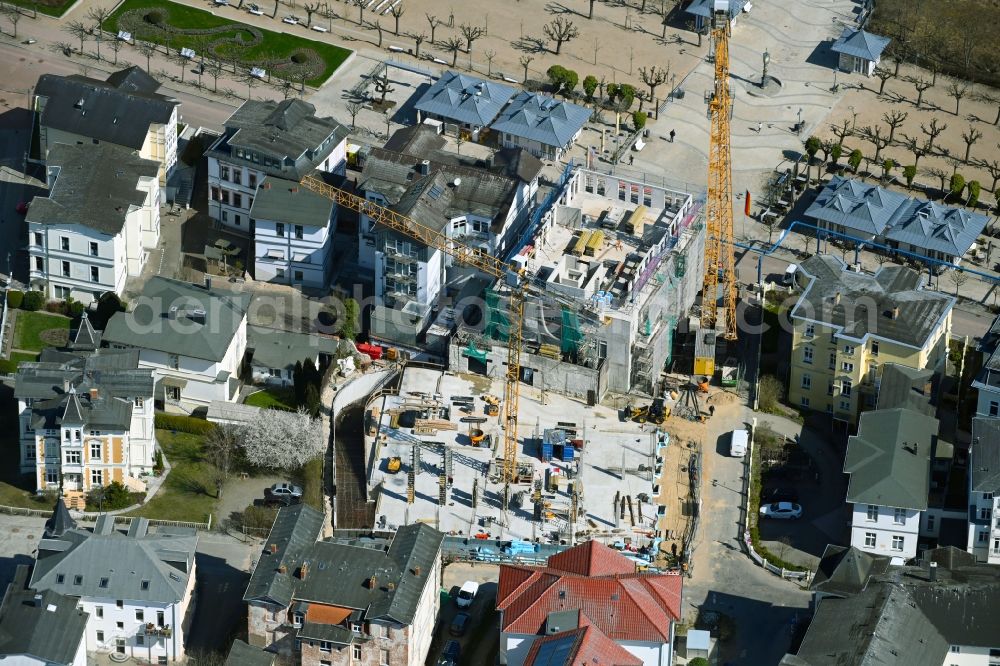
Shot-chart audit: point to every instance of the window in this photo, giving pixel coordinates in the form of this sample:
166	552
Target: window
325	646
298	231
845	388
64	243
73	457
869	539
899	516
356	652
806	381
120	603
95	451
237	176
223	172
93	249
237	200
78	580
383	658
897	543
99	611
159	618
872	512
215	194
29	451
95	274
100	636
930	522
810	330
139	639
138	402
140	616
279	229
40	265
103	584
252	180
144	585
97	477
60	578
994	406
833	361
39	239
175	361
874	348
847	367
225	216
298	276
845	405
120	625
804	401
984	513
174	393
807	355
324	662
355	627
956	649
849	350
984	537
65	269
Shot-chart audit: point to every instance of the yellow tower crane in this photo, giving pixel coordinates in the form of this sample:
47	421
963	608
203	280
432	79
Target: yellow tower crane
469	256
719	251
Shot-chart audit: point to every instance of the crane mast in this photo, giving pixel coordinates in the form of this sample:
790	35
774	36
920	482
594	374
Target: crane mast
720	259
468	256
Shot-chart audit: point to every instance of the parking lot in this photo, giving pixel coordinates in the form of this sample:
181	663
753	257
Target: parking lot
480	640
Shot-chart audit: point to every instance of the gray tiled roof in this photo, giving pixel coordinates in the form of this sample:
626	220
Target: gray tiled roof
889	459
119	110
281	200
108	563
703	8
241	654
59	522
340	574
858	206
273	348
148	326
542	118
860	44
288	130
867	301
985	455
989	375
44	625
846	570
95	186
465	99
902	386
932	226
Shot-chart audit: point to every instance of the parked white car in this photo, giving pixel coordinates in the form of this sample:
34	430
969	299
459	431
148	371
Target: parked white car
255	10
467	594
291	20
781	511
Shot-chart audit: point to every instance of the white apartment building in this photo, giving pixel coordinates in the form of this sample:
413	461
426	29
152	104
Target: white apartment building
135	587
98	224
86	416
283	139
193	337
889	465
293	227
984	490
123	111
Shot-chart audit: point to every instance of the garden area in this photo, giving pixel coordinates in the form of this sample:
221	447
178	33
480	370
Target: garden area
35	331
226	43
273	397
54	8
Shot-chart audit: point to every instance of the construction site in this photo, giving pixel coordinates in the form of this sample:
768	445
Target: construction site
434	454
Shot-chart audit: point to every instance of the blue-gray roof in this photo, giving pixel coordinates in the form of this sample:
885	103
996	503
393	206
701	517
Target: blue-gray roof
860	44
985	455
703	8
41	624
860	207
541	118
931	226
465	99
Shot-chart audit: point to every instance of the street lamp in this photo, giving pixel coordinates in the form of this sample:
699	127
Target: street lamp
854	117
767	61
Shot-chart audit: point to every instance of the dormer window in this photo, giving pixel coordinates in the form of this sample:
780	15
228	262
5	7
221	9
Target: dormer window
297	619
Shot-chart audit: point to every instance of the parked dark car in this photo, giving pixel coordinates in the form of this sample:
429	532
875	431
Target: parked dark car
451	654
459	625
283	493
771	495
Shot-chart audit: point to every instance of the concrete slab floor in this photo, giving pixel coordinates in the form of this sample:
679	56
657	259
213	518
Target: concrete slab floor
608	446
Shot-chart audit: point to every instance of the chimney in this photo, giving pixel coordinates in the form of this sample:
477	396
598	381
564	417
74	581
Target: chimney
38	601
274	549
425	167
208	282
265	185
372	582
293	189
172	312
94	393
303	570
932	572
282	569
836	298
416	571
390	586
894	313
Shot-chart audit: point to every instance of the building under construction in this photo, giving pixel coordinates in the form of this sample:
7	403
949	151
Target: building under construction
614	265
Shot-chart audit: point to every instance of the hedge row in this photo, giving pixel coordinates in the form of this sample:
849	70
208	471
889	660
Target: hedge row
181	423
769	556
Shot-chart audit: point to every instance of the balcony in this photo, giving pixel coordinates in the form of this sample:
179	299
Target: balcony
151	629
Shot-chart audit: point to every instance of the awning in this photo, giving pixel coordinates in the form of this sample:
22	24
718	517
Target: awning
322	614
176	382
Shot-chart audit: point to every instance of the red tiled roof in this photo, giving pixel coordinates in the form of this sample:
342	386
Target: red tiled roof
590	646
592	558
624	606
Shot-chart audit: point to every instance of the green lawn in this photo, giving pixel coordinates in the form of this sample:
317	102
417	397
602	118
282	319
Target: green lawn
31	332
274	398
188	493
49	7
282	54
15	489
19	357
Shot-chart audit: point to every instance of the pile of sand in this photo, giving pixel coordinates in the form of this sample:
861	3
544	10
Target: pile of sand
721	398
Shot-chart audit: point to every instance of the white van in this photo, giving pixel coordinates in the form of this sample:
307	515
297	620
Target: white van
738	441
789	278
467	594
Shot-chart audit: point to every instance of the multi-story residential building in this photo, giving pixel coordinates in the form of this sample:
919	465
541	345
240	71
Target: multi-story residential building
987	381
889	465
984	490
846	325
135	588
280	140
40	628
98	223
938	612
293	228
193	337
272	353
124	111
341	603
86	417
463	103
589	585
544	126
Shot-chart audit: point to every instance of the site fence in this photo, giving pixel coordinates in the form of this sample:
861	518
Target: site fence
92	517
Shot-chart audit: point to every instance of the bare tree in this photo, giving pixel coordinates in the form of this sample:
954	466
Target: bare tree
182	61
116	46
471	33
916	147
329	13
590	14
310	9
874	135
14	16
989	97
958	278
525	61
894	119
932	131
453	45
654	77
397	13
883	75
286	88
841	131
147	49
382	84
560	30
251	81
970	137
992	167
214	68
354	108
82	32
222	448
920	84
434	23
418	39
360	4
99	15
378	26
957	91
490	54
